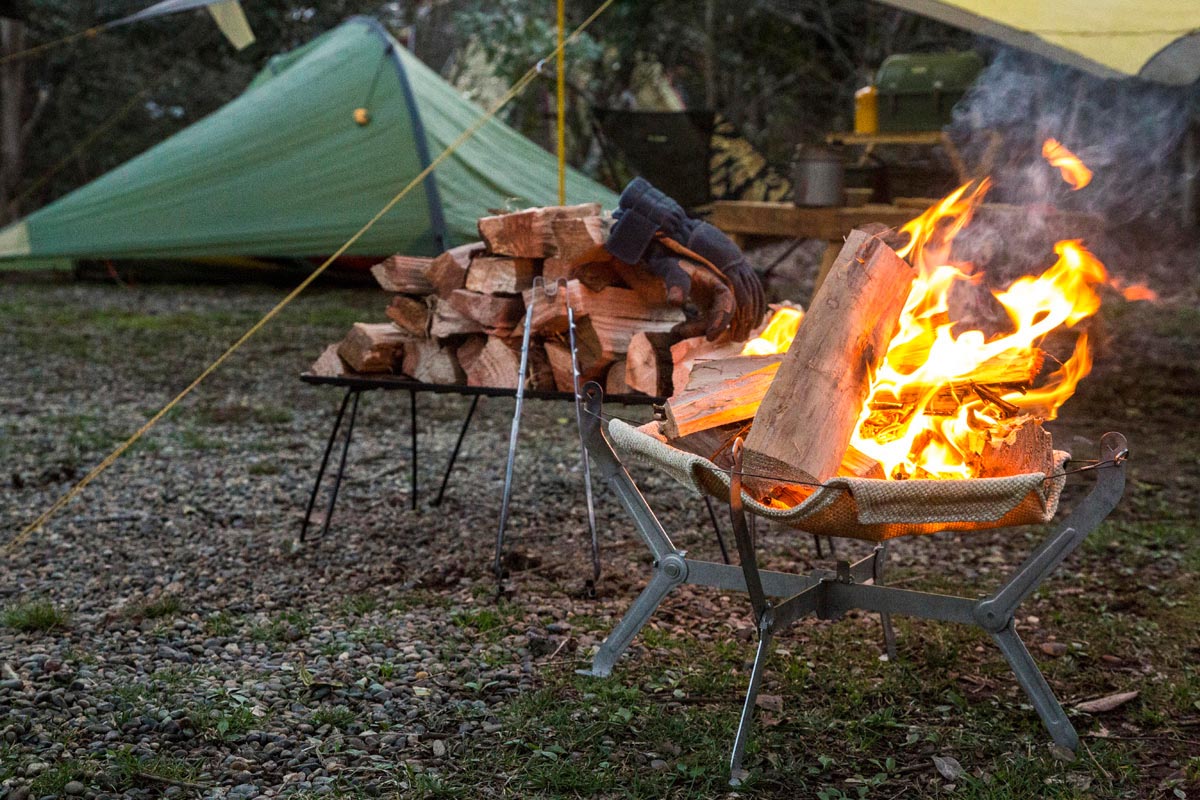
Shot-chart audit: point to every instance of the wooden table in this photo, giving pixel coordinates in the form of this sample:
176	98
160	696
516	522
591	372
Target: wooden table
746	219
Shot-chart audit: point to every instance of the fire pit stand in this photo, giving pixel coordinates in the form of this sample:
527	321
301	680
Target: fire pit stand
830	594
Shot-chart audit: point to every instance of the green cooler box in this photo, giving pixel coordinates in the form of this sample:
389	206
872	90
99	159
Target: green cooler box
917	92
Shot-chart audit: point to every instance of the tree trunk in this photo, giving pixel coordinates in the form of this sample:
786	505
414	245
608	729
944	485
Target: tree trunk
12	93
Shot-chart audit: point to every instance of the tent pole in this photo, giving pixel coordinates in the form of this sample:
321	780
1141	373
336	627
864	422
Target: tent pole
562	114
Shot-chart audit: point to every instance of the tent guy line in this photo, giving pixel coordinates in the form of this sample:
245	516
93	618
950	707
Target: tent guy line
227	14
112	457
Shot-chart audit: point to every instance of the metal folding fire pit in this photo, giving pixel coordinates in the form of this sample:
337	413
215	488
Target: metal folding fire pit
861	509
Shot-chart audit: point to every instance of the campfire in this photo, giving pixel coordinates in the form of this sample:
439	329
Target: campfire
958	388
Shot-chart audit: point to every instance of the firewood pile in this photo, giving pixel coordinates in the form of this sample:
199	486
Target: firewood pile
458	318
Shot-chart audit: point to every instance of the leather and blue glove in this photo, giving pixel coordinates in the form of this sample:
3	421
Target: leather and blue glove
702	270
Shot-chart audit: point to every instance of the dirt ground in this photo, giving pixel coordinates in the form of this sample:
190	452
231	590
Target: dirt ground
166	635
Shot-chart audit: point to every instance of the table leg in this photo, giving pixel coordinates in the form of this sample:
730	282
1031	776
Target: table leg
312	497
337	479
457	446
412	483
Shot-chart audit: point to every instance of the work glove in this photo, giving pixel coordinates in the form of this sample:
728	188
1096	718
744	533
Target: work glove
694	260
708	241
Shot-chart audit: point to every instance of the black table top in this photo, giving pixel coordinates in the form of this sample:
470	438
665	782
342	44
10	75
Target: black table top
399	382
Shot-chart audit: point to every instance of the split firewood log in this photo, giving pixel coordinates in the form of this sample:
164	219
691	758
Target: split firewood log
446	321
529	233
404	274
809	413
500	274
429	361
490	361
448	271
498	315
410	314
648	364
329	364
373	347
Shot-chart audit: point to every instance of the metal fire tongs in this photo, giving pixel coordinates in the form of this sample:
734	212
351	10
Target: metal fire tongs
550	290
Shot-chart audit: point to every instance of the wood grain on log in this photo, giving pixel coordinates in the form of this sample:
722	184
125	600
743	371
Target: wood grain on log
372	347
500	274
429	361
410	314
329	364
648	364
404	274
528	233
447	321
716	404
614	381
490	361
806	419
498	315
449	270
574	236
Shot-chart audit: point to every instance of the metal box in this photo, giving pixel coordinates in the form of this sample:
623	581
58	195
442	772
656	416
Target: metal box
917	91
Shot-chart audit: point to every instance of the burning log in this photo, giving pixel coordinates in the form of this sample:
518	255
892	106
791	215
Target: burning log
449	270
809	413
404	274
529	233
428	361
500	274
648	364
721	370
373	348
1024	448
718	403
410	315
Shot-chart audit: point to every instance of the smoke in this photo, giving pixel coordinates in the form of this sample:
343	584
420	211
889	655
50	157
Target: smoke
1126	131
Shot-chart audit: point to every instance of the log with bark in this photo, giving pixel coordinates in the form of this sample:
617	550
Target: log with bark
806	418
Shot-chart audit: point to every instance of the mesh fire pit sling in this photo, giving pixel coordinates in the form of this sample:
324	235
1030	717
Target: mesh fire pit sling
870	510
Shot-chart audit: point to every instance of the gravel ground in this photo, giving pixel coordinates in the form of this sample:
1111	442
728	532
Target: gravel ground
203	652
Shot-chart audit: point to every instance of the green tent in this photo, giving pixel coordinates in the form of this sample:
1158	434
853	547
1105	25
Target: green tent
286	170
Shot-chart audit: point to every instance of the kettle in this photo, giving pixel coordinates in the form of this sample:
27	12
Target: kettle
818	176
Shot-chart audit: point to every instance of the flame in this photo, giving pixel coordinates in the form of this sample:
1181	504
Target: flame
939	396
1073	170
1133	292
778	335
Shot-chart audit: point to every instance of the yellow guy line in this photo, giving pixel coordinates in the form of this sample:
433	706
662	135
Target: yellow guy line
516	89
89	33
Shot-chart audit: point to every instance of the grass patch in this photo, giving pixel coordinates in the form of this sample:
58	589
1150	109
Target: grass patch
339	717
219	624
34	616
284	627
168	605
264	468
224	715
359	605
493	623
53	780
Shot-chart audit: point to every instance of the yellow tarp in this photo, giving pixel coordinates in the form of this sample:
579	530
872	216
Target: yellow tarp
1158	40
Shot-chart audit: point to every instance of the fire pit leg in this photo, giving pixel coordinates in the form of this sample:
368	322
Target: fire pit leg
746	721
1035	686
885	617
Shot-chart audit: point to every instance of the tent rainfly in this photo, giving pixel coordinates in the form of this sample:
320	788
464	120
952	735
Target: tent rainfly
1156	40
288	168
